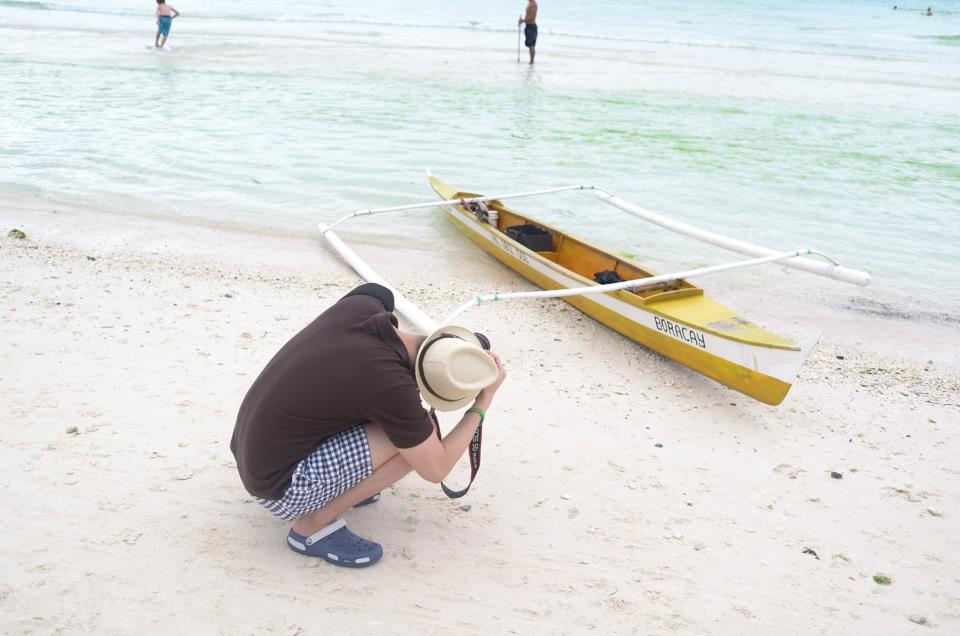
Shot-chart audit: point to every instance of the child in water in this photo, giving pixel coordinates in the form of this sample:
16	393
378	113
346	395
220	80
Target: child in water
165	16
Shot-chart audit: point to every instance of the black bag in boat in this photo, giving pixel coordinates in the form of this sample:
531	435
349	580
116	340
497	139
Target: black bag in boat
531	237
607	276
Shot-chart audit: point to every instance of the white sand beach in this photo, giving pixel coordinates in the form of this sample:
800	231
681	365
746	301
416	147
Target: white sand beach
619	493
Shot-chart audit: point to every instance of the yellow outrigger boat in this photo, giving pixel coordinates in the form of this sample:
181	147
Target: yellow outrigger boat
663	312
674	318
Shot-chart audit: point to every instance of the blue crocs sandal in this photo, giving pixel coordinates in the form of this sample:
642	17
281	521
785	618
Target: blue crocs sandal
369	500
337	545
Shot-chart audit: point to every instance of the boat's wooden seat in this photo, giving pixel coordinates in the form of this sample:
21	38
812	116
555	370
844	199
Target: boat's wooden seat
657	296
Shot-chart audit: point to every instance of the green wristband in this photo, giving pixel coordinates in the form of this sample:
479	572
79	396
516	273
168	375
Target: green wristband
480	412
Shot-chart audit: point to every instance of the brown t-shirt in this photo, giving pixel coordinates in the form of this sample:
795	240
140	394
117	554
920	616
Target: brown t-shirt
347	367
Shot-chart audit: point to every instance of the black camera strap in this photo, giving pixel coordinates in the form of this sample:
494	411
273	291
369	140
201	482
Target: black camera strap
474	450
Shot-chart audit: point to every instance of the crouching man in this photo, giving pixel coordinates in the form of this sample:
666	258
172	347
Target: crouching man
336	417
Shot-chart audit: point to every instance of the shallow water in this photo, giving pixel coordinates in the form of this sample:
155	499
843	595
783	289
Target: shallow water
793	124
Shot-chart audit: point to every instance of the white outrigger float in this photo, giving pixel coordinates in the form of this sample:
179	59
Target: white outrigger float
663	312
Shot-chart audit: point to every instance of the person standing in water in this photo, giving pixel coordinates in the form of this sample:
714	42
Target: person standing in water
165	16
530	31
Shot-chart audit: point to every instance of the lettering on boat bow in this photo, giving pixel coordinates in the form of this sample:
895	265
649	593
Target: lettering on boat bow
509	249
680	332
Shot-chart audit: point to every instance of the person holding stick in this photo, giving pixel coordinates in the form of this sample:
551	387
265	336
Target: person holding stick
530	31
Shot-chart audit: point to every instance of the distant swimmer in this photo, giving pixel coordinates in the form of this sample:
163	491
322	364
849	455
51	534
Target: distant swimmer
927	12
165	16
530	31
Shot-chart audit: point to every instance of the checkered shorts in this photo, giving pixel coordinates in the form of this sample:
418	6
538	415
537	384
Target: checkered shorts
337	465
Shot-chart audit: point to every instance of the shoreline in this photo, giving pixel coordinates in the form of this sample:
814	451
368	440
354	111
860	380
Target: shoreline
619	490
799	305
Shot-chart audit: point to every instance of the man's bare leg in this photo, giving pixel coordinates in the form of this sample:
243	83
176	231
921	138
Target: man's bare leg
388	468
156	40
165	41
533	53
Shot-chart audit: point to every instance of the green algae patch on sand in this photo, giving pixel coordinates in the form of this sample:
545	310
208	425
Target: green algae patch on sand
882	579
17	234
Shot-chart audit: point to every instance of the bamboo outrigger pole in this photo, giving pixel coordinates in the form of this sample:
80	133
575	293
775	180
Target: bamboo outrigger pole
413	313
761	254
440	204
638	283
830	270
827	269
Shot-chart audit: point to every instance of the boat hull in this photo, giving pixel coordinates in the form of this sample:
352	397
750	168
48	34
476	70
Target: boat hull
765	373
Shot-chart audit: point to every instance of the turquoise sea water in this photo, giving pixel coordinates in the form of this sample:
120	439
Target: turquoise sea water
833	125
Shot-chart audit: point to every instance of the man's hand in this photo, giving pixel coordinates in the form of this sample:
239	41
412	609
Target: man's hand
433	459
486	396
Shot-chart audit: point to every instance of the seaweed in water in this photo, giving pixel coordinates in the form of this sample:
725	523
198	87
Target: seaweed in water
887	310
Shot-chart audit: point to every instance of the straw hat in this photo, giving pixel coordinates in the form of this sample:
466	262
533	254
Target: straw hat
452	368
